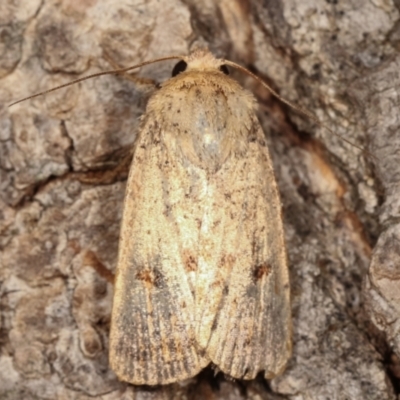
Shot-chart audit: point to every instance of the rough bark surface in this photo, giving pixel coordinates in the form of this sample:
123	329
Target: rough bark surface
60	195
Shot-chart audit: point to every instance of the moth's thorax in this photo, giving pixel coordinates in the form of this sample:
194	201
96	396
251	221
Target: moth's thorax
201	60
208	115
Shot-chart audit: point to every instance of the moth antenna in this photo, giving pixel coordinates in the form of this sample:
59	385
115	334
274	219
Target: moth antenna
297	108
110	72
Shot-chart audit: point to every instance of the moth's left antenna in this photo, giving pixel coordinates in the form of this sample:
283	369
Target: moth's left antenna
110	72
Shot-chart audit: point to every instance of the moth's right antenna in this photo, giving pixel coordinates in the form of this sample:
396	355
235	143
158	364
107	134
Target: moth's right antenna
297	108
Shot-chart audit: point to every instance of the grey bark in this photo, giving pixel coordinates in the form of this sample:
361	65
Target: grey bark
339	59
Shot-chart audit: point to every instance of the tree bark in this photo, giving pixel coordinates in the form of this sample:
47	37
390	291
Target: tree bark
61	186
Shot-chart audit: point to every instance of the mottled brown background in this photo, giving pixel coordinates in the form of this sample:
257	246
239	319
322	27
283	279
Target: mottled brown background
338	58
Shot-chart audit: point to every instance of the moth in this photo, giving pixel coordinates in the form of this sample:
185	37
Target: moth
202	274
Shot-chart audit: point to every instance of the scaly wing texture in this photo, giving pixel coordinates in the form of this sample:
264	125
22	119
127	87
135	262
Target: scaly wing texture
202	272
242	298
152	339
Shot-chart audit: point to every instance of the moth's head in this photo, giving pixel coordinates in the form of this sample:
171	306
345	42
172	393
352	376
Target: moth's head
200	60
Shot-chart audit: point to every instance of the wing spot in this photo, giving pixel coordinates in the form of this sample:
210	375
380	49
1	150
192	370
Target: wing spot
216	223
189	261
216	284
150	277
145	276
260	271
167	210
227	261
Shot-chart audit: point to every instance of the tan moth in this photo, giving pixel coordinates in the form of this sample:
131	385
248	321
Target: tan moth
202	274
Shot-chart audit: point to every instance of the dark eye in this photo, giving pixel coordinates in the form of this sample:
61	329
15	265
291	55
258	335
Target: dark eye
180	67
224	69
